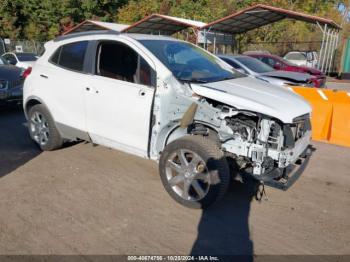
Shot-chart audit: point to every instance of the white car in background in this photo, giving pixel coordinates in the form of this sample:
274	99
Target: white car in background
303	58
23	60
169	101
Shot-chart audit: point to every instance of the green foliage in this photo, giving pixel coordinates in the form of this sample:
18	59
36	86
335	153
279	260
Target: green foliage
43	19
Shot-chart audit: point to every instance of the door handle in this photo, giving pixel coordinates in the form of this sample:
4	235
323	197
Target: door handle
44	76
87	88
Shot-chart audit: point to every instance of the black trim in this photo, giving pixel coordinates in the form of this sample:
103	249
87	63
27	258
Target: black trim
90	57
83	71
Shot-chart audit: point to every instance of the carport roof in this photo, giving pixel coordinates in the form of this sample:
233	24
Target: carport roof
260	15
90	25
162	23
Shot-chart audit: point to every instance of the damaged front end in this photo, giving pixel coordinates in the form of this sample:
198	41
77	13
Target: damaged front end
260	145
266	148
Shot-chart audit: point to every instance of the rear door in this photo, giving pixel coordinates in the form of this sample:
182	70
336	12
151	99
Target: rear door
119	97
62	84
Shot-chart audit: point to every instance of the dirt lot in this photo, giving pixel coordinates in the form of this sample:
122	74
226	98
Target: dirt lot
93	200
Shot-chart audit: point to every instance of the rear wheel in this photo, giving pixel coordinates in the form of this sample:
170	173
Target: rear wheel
42	128
194	171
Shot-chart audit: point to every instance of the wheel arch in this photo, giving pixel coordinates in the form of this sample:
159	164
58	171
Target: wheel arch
177	132
30	102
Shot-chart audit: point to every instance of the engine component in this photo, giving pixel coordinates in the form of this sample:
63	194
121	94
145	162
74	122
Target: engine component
243	126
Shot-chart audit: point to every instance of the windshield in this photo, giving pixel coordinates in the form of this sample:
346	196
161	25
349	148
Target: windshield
188	62
254	64
3	61
295	56
26	57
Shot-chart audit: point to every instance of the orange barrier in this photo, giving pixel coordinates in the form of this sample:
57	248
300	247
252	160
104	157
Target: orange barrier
322	111
340	127
331	114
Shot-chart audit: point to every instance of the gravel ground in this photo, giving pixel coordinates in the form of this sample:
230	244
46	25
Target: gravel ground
93	200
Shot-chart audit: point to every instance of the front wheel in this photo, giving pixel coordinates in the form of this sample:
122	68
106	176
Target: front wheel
194	171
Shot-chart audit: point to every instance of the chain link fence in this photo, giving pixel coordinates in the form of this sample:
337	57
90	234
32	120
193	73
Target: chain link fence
24	46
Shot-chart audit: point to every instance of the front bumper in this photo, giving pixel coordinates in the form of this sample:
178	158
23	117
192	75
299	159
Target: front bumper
284	178
291	164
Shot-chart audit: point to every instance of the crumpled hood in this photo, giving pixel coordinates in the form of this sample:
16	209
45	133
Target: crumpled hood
292	76
257	96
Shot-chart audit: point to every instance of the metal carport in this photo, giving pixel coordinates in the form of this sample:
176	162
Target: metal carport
260	15
163	24
91	25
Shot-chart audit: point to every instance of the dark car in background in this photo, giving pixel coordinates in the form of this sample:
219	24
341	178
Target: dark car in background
11	83
279	63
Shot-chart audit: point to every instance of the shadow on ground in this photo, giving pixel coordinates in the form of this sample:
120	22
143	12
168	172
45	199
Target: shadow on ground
224	229
16	146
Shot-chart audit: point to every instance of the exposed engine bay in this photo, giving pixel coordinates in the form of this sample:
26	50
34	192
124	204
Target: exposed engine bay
260	144
257	141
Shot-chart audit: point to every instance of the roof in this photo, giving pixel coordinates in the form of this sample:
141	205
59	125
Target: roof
163	24
260	15
90	25
92	33
150	37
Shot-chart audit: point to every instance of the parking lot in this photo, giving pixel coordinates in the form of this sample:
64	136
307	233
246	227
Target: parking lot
92	200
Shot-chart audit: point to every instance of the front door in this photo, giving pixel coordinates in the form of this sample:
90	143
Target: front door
119	99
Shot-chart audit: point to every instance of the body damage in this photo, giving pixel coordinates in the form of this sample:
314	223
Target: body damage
247	125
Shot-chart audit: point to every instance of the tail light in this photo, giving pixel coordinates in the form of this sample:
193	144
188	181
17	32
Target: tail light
27	72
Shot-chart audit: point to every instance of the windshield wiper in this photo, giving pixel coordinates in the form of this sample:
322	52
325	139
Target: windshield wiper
225	78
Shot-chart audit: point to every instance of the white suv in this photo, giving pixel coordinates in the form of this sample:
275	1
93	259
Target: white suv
170	101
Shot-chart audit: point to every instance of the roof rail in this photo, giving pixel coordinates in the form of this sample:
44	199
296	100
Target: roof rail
86	33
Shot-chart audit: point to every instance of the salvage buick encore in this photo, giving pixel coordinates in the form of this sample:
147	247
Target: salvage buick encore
169	101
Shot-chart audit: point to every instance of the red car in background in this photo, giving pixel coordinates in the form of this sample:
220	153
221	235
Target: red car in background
279	63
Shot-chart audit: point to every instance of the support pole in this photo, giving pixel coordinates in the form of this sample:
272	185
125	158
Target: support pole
332	51
328	51
325	51
214	44
322	46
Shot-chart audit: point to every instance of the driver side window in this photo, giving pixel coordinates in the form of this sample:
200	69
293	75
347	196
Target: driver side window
119	61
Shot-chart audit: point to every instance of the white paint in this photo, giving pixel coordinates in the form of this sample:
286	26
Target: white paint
324	97
257	96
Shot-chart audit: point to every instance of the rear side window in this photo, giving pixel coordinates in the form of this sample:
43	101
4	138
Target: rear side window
70	56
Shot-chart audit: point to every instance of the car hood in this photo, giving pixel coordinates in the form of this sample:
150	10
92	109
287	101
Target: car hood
292	76
10	72
257	96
